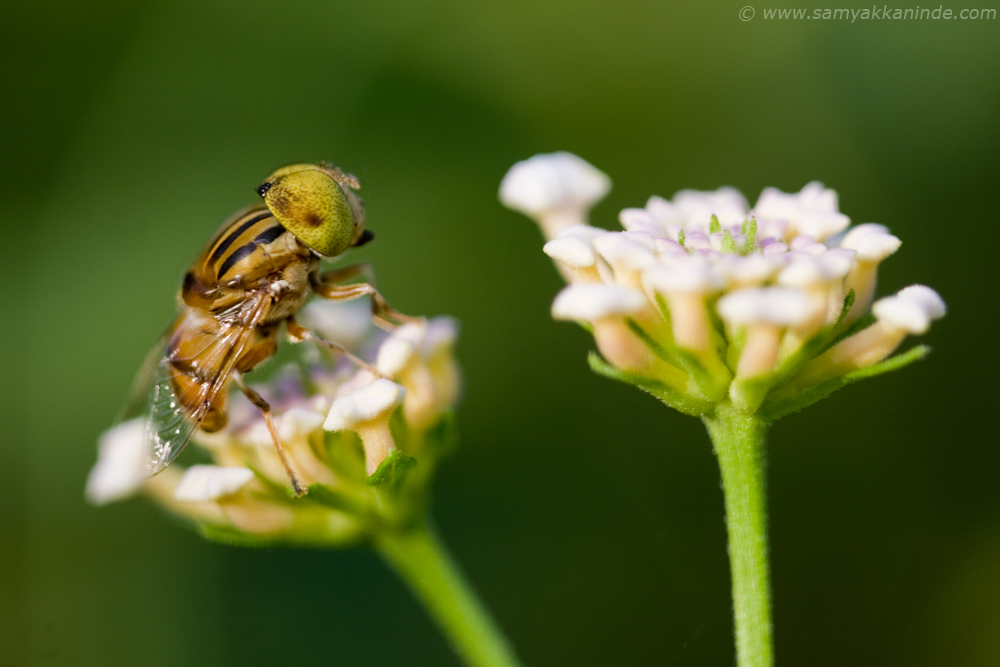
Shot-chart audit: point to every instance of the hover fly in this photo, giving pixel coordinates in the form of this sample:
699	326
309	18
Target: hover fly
253	276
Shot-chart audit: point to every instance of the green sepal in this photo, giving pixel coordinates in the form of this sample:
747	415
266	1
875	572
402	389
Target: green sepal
680	237
728	242
677	400
230	536
393	469
586	326
777	409
235	538
750	231
713	225
334	499
708	385
345	455
846	308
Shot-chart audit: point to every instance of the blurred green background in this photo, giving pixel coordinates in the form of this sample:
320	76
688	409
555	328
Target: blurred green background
588	516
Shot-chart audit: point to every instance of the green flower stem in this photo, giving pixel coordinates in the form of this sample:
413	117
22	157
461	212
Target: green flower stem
739	440
422	561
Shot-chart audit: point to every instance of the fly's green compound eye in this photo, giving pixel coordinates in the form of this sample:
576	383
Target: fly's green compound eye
317	204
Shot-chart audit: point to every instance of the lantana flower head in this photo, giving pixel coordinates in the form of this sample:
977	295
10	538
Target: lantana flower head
703	298
364	446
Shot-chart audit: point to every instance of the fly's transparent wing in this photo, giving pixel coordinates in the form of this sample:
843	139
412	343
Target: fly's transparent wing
170	420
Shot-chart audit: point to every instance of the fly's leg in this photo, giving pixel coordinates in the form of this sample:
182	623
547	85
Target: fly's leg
296	330
265	409
326	285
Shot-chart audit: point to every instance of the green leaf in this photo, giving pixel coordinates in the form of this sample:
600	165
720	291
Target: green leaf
780	408
713	225
677	400
392	470
893	363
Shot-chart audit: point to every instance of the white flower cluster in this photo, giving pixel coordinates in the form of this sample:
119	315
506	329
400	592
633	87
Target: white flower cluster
713	298
243	487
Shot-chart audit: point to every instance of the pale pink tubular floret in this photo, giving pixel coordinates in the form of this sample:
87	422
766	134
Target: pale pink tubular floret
367	412
202	483
873	243
556	189
697	207
908	312
772	305
605	307
418	356
593	302
686	281
912	309
627	256
765	312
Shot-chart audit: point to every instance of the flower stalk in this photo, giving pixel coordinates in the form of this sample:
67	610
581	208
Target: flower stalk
739	441
421	560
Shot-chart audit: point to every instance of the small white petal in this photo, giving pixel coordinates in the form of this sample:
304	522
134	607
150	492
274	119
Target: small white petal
772	247
872	242
120	469
441	333
683	273
401	347
639	219
583	232
571	251
202	483
344	322
622	252
376	400
553	181
929	300
805	270
592	301
750	269
811	211
727	204
774	305
298	423
912	309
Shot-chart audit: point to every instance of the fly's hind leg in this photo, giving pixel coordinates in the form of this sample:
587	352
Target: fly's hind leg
298	331
327	286
265	409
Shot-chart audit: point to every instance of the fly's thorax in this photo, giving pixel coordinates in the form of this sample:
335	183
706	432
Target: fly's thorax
252	250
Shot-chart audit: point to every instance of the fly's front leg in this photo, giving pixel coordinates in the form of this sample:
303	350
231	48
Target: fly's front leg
296	330
326	285
265	409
